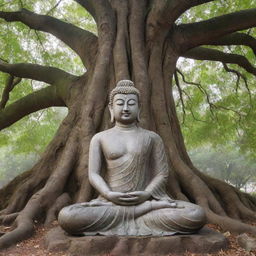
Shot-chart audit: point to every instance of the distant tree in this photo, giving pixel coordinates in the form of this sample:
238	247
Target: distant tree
230	166
139	40
13	164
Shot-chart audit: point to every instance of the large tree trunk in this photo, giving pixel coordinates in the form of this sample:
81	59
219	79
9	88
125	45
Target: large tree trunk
127	49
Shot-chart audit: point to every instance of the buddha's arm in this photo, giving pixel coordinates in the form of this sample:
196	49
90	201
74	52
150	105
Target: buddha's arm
95	160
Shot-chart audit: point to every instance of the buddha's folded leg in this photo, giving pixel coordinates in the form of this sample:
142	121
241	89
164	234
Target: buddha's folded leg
79	218
185	218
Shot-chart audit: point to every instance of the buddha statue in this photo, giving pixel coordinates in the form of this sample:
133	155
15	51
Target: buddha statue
128	168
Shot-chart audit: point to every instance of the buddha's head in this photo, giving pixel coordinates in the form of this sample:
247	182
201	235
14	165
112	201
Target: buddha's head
124	103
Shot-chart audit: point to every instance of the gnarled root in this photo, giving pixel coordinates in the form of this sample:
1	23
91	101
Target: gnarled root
230	224
227	209
224	205
7	219
50	198
24	230
60	202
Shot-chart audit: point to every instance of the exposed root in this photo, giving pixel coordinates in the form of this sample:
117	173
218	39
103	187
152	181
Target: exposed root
44	198
231	201
24	230
174	187
229	224
15	195
248	200
7	191
21	196
220	200
8	219
60	202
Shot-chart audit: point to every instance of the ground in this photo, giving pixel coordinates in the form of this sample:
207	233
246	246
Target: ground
35	247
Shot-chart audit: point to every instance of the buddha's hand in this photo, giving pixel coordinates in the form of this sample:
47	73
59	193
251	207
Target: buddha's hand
127	199
137	197
117	197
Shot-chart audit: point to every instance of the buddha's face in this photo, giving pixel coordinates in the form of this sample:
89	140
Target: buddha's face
125	108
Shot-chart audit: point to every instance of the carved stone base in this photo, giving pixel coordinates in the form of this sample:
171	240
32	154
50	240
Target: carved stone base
205	241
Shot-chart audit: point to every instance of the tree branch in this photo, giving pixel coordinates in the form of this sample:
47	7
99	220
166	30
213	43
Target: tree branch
101	10
205	32
11	82
97	9
163	13
189	106
199	2
184	79
88	5
44	98
81	41
236	39
54	7
202	53
49	75
209	102
239	75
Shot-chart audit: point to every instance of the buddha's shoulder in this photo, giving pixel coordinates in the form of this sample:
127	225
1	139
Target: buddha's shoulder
151	134
103	134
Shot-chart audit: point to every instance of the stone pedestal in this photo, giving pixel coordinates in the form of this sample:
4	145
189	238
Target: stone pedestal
205	241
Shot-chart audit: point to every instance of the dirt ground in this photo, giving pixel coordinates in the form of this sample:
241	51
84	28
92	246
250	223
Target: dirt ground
35	247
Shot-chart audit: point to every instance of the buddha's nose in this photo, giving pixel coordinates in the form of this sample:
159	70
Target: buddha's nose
126	108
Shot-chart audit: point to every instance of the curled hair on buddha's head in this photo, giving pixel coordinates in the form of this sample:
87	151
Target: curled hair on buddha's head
123	87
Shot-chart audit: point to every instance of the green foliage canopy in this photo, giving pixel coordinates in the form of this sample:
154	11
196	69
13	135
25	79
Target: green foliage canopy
218	106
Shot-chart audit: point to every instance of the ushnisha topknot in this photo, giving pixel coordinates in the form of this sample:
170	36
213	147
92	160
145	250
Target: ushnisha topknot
123	87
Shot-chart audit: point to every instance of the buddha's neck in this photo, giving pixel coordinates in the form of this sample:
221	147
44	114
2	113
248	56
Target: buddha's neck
126	126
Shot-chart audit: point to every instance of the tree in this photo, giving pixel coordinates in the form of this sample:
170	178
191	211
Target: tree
138	40
14	164
221	163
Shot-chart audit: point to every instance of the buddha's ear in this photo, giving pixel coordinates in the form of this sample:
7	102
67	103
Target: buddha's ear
138	116
112	119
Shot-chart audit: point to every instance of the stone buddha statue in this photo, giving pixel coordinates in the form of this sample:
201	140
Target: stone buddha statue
129	170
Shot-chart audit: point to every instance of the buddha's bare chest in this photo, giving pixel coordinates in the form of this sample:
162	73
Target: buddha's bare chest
115	147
